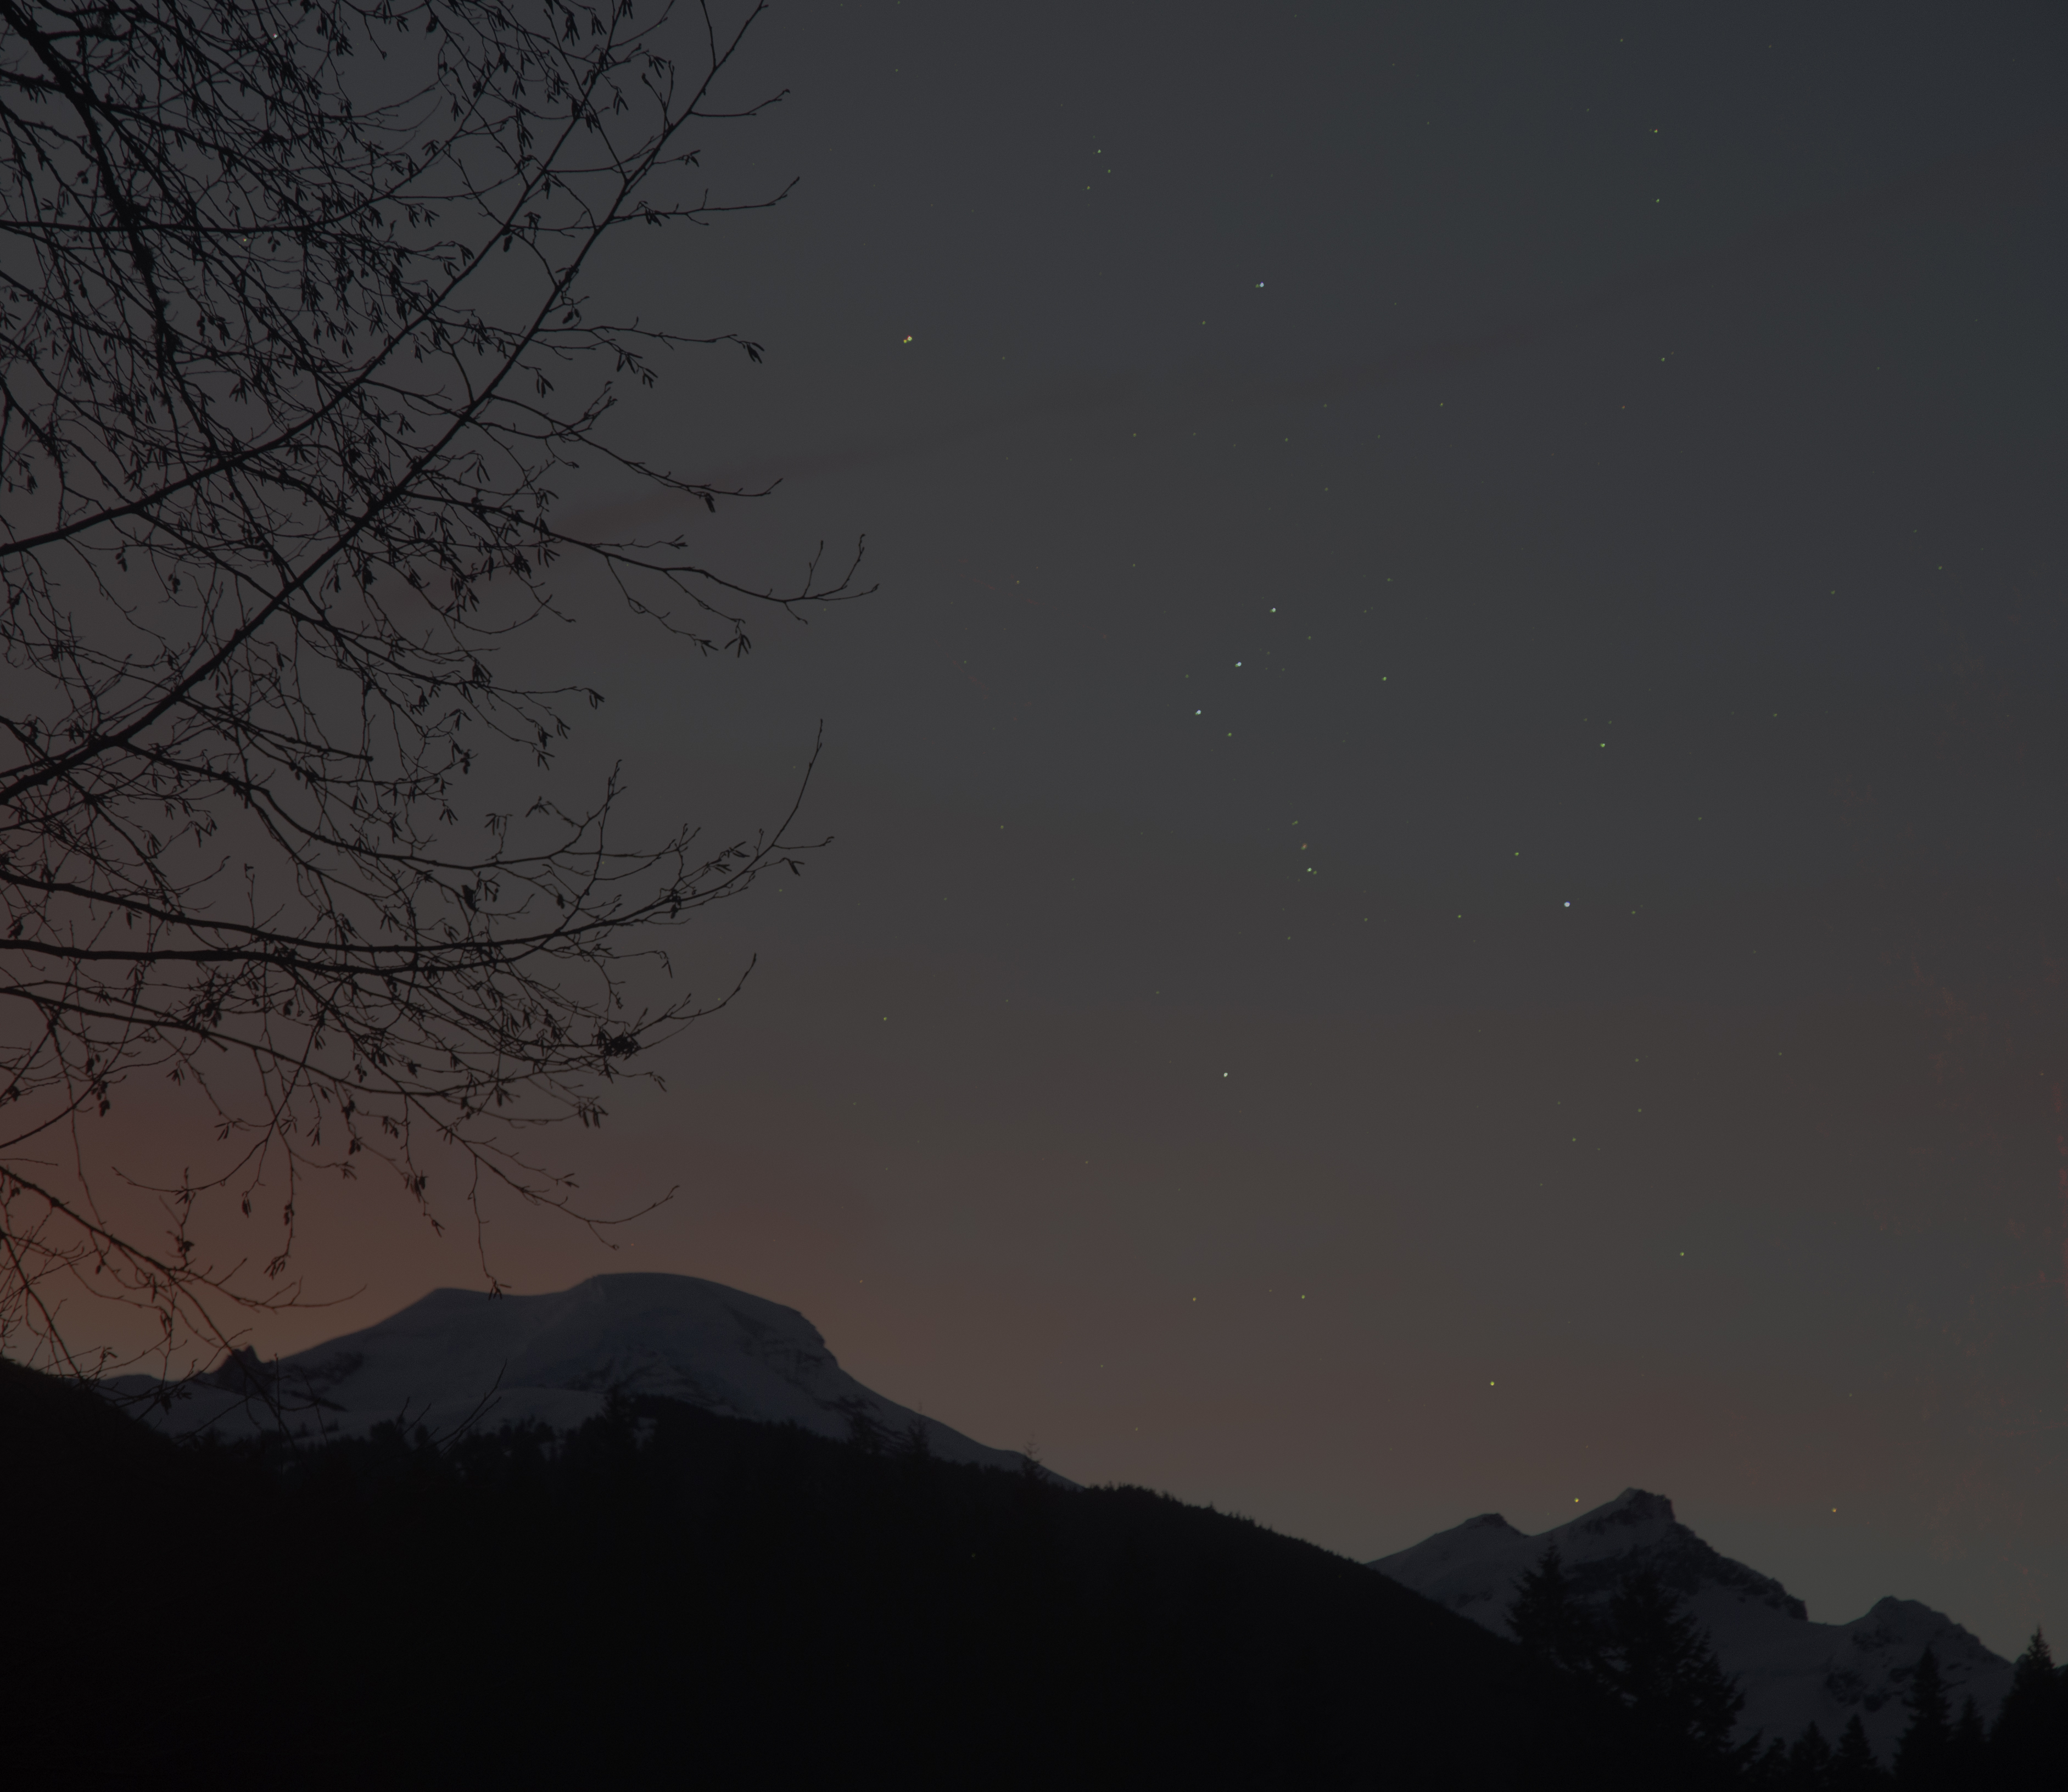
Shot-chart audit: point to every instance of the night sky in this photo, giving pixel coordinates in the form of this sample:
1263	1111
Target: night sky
1449	851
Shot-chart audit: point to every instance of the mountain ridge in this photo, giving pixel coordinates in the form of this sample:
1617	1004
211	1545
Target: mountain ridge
1793	1670
456	1360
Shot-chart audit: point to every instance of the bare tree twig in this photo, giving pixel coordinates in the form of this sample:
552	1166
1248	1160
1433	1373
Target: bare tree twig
295	355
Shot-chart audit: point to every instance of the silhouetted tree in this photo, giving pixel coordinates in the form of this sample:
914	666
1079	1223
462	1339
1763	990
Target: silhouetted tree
296	355
1770	1767
864	1431
2029	1742
1967	1755
1032	1470
1853	1767
1923	1756
1549	1623
1658	1661
1809	1761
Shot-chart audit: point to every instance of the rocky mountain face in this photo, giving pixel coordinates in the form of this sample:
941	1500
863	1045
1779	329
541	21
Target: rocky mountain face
1791	1669
458	1358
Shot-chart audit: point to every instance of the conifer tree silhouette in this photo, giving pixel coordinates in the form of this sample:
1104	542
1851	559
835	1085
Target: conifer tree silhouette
1967	1756
1660	1664
1550	1623
1924	1757
1854	1768
2031	1738
863	1431
1808	1766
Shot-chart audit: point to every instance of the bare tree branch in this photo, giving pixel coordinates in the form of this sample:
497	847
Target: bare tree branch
294	354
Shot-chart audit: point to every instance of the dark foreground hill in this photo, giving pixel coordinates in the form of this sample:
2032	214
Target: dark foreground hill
673	1598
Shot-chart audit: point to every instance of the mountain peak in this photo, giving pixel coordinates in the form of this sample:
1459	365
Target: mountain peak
1639	1504
240	1372
1793	1671
458	1358
1633	1520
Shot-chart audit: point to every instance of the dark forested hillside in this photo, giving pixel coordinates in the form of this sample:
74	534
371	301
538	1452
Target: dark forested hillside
668	1596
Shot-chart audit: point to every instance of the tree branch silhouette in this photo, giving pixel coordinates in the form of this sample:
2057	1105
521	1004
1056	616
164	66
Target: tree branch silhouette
295	357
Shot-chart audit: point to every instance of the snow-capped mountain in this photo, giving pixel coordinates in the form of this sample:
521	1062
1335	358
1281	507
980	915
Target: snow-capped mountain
1792	1670
457	1357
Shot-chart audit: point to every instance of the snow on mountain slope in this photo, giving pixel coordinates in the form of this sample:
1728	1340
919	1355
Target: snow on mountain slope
1791	1669
457	1356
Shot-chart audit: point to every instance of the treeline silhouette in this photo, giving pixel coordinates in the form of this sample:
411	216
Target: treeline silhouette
1647	1653
667	1596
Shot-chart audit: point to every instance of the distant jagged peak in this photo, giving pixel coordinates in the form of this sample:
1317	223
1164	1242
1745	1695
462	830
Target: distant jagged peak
1792	1671
1487	1534
241	1373
1488	1527
1632	1523
1638	1529
1631	1507
1635	1529
1633	1520
1902	1628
